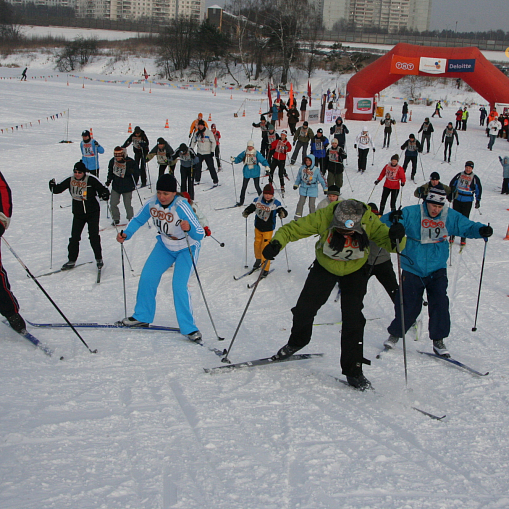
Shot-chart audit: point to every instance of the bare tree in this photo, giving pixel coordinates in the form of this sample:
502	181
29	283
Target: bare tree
209	46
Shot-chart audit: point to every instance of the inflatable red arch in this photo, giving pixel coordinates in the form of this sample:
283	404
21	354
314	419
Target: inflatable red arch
469	64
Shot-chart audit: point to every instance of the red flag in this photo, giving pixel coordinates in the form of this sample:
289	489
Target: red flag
145	73
215	82
309	93
270	97
291	95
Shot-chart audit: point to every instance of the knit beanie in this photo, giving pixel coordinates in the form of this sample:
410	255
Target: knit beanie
167	182
268	189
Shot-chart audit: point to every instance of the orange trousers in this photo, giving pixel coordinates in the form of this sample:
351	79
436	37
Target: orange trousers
261	240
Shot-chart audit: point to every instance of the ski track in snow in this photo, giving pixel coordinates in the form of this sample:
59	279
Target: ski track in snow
139	425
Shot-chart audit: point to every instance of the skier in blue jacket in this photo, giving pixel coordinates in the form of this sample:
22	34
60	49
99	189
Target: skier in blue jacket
319	149
424	264
179	232
307	181
90	150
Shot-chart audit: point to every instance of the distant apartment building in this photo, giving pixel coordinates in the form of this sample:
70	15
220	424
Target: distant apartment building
157	10
388	14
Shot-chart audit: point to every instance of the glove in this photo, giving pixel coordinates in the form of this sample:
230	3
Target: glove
355	145
232	159
107	183
253	124
477	204
96	144
395	216
325	192
295	188
396	232
208	233
245	213
377	182
105	195
271	250
402	184
267	171
374	150
486	231
52	184
282	213
190	134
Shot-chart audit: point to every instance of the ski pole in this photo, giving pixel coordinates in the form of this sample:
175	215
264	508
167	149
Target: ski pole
220	243
373	162
402	310
372	190
201	287
123	275
139	197
147	167
227	352
46	294
245	266
422	168
474	328
234	184
51	237
347	178
116	228
287	264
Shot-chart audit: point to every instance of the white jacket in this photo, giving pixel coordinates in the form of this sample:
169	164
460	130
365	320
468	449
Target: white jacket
364	140
205	144
494	126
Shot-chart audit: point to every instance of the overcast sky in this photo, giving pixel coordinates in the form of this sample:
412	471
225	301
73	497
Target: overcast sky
471	15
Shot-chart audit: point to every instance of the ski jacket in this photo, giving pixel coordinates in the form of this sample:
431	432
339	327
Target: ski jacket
364	141
85	193
308	178
303	104
5	205
339	131
467	186
293	115
217	136
387	123
186	160
412	148
163	156
449	135
484	113
423	256
505	165
122	175
140	142
334	159
319	146
404	109
167	222
494	126
265	213
320	223
394	175
459	114
205	142
274	114
90	151
426	128
279	149
303	135
255	170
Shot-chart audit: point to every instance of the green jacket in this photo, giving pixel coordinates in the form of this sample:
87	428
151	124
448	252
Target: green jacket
320	222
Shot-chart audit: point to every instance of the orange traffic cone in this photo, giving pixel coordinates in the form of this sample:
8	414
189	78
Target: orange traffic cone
210	117
130	129
410	117
507	234
391	108
260	112
244	113
167	126
231	96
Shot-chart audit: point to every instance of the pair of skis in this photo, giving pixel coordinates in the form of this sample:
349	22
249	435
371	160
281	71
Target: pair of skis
98	279
248	273
45	349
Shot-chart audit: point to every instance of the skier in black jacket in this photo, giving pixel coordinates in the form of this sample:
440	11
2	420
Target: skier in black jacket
140	146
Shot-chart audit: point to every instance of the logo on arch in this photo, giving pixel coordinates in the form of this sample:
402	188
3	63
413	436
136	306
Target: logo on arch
404	65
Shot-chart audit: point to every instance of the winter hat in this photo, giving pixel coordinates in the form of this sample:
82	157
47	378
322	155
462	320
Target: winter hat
469	163
437	196
334	190
305	124
200	115
86	133
426	119
183	148
270	127
284	132
161	141
434	176
119	152
395	156
137	129
79	166
373	208
167	182
364	128
268	189
250	143
263	118
213	126
201	122
348	216
319	131
412	136
334	141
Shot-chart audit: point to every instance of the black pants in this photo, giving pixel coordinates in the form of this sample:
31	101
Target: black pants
385	194
463	125
264	149
320	163
447	146
209	161
384	272
139	159
280	164
317	289
481	121
463	207
427	138
8	303
217	155
293	128
505	186
186	180
414	164
245	182
300	145
78	223
362	159
387	138
458	125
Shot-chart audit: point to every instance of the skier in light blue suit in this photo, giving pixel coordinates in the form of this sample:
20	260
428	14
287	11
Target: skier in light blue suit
174	220
307	181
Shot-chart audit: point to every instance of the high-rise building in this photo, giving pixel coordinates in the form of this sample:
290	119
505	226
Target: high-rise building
333	11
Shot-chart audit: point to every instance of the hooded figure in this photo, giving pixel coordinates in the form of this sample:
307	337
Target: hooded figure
505	165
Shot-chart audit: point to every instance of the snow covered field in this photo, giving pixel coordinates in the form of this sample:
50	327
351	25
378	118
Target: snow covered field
140	425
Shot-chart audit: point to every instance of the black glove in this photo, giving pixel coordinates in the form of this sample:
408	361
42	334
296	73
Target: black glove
271	250
105	195
396	232
402	184
374	150
96	144
282	213
477	204
107	183
245	213
294	143
253	124
486	231
377	182
52	184
295	187
395	216
2	229
355	145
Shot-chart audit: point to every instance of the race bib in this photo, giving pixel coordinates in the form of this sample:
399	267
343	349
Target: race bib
161	157
164	222
433	230
338	129
136	142
281	147
318	145
250	160
271	138
333	155
78	189
263	211
464	182
119	169
88	150
349	252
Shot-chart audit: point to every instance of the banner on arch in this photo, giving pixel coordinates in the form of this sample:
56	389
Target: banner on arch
404	65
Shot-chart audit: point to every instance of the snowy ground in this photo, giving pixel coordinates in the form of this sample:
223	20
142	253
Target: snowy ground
140	425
